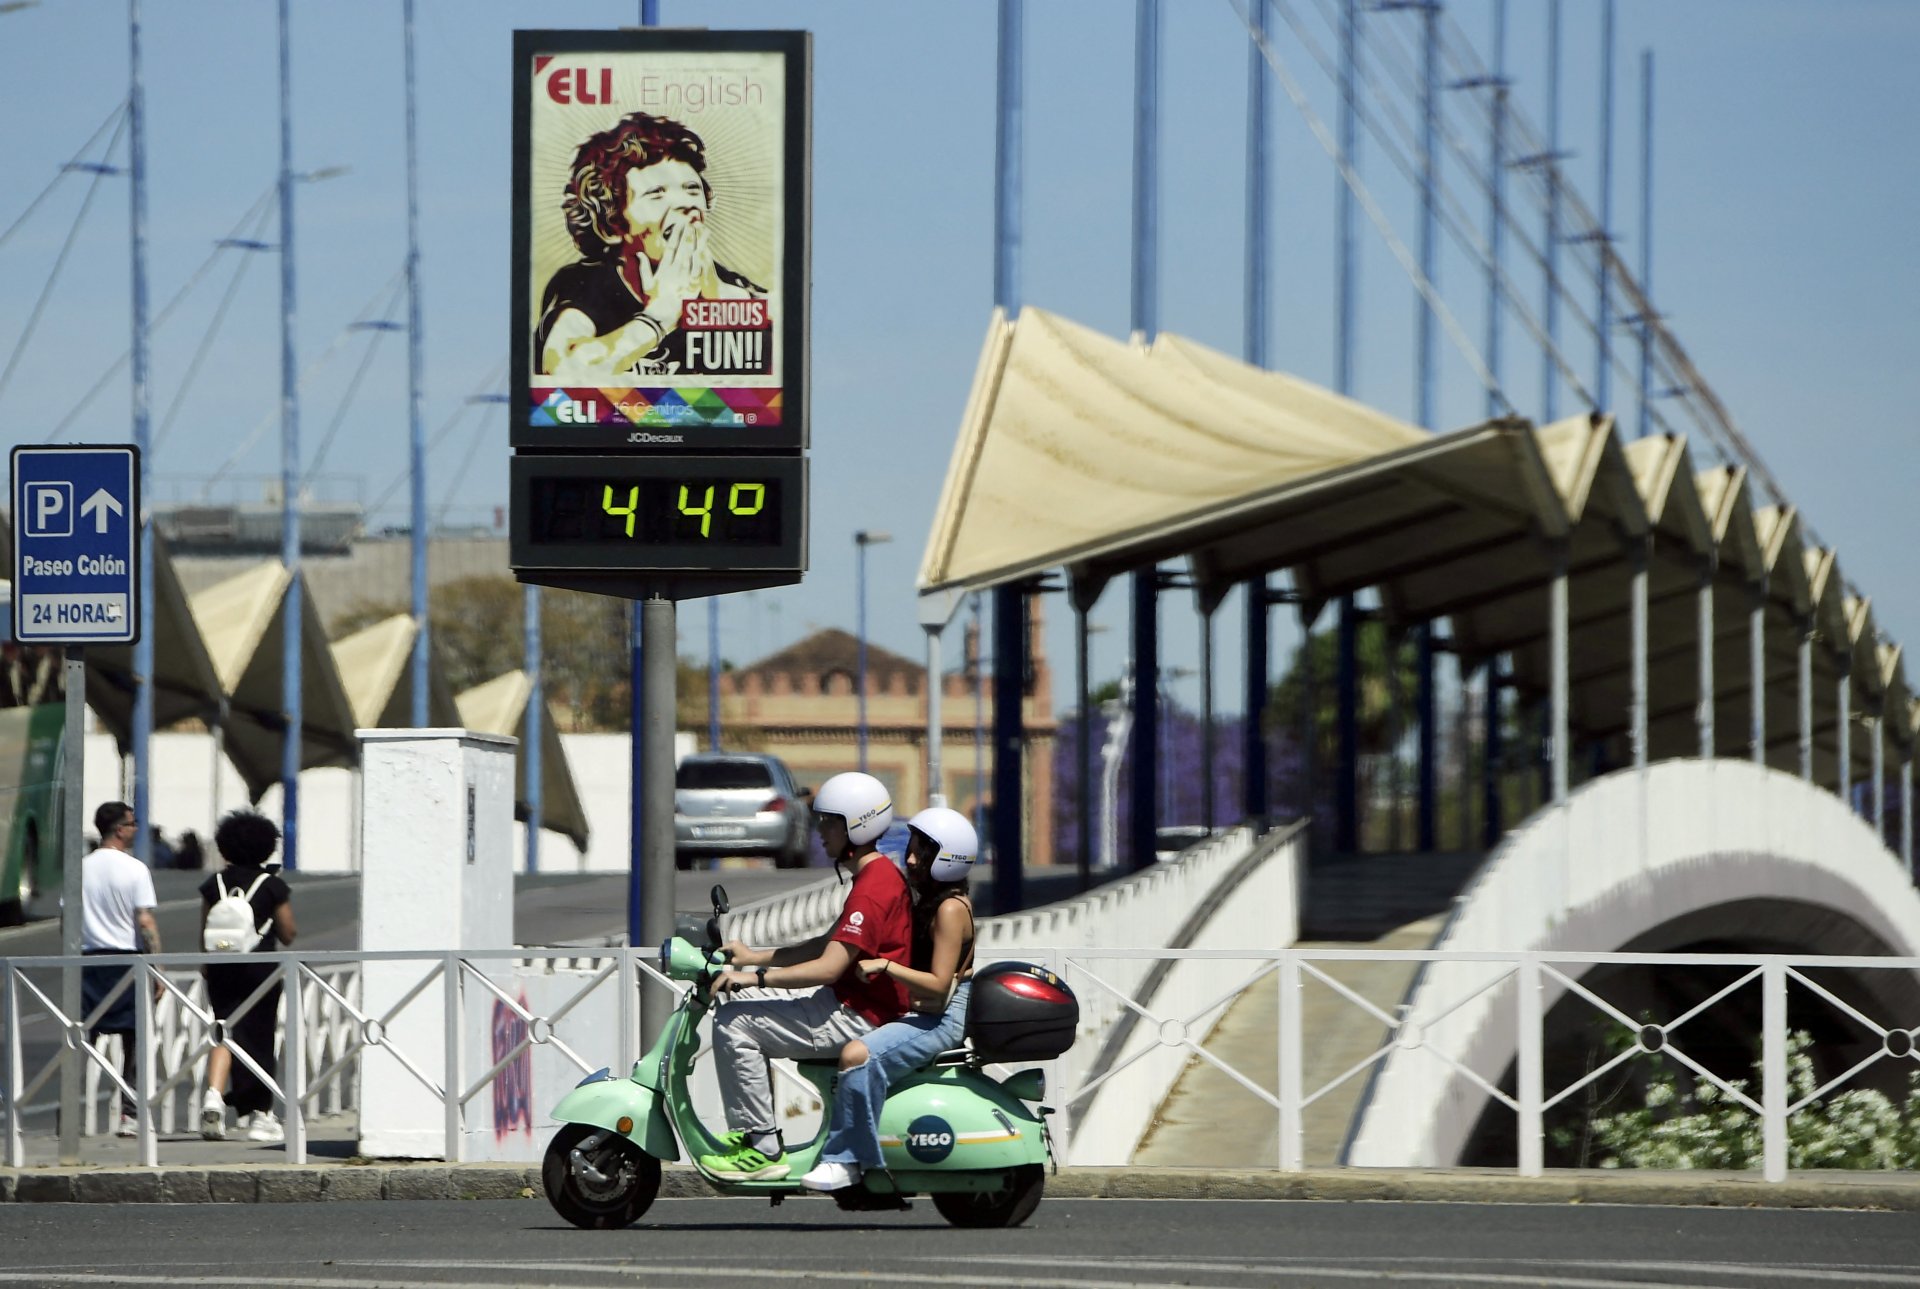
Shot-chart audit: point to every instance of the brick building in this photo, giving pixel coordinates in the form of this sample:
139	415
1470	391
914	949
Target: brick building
800	705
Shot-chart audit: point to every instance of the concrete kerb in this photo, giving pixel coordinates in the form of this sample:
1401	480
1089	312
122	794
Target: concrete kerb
435	1181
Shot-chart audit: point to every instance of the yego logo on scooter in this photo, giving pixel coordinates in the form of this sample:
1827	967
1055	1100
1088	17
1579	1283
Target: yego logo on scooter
929	1139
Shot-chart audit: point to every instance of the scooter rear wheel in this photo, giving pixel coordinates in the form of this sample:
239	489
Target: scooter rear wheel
1009	1207
598	1180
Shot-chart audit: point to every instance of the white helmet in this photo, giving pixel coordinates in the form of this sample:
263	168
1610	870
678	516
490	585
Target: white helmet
859	799
957	844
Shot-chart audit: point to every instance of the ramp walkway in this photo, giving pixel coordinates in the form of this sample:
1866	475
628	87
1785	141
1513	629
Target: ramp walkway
1352	902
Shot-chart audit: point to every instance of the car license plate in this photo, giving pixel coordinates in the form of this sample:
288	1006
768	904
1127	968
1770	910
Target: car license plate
719	830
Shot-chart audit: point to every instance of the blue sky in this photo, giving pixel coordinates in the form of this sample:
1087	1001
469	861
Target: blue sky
1785	186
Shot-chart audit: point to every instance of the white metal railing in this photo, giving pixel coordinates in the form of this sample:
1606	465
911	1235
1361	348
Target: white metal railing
580	1015
421	1027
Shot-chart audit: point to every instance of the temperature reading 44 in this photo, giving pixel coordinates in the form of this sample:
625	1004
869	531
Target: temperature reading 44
744	500
659	512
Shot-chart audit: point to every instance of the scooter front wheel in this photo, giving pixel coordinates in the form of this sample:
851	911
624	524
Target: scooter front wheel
598	1180
1009	1207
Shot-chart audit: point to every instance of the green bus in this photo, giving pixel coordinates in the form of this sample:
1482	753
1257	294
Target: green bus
32	721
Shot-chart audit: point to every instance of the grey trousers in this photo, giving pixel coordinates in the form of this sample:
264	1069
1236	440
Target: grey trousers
766	1023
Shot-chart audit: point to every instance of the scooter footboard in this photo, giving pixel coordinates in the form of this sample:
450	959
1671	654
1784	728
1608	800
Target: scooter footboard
606	1103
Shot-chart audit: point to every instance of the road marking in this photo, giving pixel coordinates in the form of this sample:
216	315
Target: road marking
1451	1269
1461	1271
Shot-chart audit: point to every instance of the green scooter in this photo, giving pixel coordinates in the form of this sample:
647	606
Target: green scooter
948	1130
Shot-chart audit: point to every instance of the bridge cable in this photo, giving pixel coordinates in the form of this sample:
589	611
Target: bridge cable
378	331
494	377
160	319
307	373
1359	189
72	164
208	335
101	171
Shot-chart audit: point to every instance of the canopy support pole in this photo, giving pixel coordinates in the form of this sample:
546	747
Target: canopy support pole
1559	736
1206	719
1757	669
1346	795
1492	753
1145	764
1427	827
1703	712
1009	743
1083	741
1806	700
1843	736
1637	558
1253	782
1879	778
1906	811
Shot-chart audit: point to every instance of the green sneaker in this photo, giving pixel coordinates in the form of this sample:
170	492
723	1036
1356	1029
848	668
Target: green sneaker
744	1164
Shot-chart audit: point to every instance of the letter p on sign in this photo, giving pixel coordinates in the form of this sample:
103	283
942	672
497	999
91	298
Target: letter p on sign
51	507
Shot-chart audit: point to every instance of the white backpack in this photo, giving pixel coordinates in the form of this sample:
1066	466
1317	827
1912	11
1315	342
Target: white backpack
230	927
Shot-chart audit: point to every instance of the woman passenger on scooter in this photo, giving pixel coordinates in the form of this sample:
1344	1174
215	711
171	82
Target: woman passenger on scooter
941	849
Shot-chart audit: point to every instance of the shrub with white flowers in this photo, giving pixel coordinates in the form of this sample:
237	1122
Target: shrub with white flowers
1703	1127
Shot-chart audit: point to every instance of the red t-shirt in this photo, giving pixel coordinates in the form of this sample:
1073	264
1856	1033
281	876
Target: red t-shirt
877	922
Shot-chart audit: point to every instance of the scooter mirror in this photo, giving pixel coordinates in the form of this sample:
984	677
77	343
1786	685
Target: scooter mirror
719	897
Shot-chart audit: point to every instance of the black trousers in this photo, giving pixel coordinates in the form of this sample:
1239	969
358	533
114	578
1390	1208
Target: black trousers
95	984
253	1033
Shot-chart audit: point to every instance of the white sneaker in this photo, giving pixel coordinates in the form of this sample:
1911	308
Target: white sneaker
129	1126
832	1177
213	1117
262	1126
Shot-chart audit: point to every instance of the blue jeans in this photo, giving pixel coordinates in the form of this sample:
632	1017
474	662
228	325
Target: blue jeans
894	1049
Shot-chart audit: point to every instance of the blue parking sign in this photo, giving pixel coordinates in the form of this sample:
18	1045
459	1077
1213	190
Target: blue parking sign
76	545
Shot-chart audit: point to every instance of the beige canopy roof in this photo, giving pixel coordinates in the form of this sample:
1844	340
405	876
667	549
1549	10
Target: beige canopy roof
1083	452
499	706
243	620
374	665
184	684
1075	448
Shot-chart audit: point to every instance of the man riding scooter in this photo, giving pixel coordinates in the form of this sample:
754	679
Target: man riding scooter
851	811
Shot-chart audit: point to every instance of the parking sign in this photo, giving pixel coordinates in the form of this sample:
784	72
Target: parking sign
76	545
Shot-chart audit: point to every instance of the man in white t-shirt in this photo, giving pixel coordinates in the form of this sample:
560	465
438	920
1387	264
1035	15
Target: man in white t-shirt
117	903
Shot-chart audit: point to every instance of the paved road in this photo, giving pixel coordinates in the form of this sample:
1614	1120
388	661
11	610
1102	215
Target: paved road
1107	1243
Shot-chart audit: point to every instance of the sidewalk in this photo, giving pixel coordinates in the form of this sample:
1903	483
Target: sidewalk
242	1172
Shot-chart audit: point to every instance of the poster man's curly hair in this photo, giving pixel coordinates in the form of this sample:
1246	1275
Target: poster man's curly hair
596	200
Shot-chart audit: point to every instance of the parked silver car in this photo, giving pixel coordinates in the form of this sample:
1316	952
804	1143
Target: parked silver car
739	803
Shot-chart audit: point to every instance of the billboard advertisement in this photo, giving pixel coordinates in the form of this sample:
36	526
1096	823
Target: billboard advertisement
660	240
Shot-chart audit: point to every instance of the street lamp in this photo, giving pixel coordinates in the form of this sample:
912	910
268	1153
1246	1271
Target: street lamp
861	540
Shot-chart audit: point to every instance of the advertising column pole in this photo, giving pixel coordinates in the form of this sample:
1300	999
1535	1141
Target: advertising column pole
656	789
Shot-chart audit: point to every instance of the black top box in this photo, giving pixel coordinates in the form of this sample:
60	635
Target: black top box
1020	1012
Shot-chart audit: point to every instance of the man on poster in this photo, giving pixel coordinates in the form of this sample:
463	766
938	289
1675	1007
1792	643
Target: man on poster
636	206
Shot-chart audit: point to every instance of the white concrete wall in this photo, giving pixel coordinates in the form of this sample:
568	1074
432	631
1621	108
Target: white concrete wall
187	793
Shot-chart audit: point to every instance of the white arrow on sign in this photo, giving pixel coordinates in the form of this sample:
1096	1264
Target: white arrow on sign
98	505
